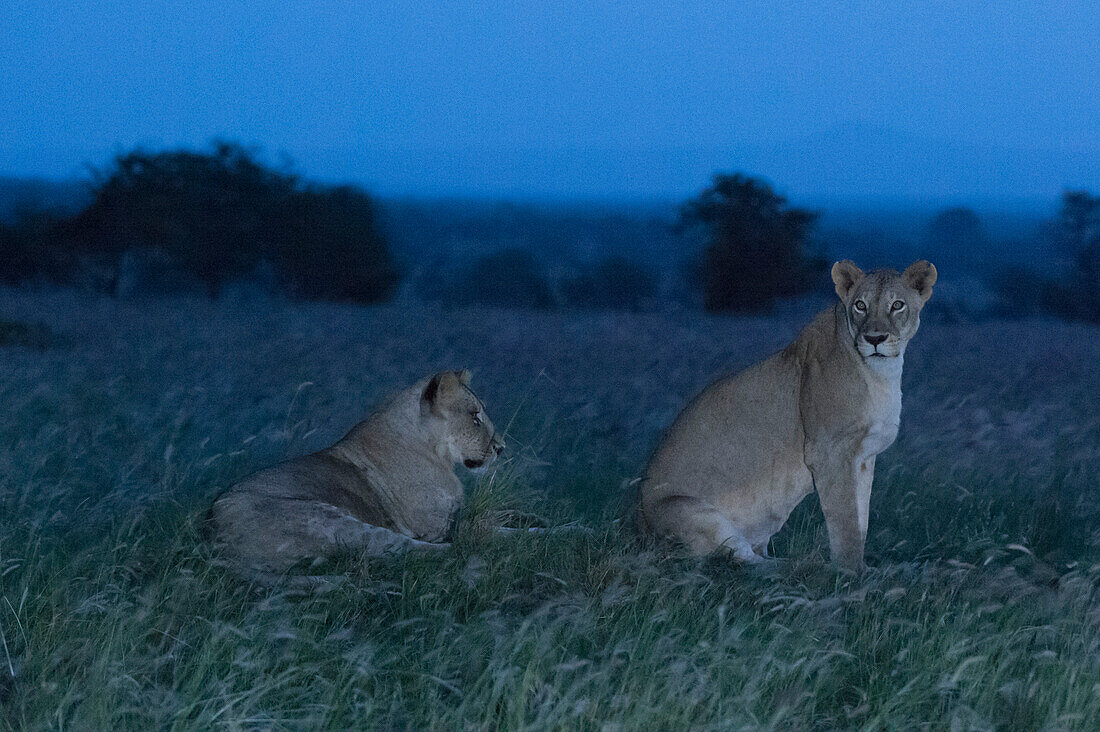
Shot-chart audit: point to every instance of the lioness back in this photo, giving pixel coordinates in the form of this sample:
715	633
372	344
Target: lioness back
740	433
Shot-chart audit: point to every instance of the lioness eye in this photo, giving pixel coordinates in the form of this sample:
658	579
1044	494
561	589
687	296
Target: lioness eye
477	420
898	305
861	306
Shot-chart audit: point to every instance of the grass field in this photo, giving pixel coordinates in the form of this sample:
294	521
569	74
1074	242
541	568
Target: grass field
126	417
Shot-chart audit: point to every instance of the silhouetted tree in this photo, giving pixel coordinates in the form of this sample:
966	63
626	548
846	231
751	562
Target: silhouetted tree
219	214
757	245
214	214
615	283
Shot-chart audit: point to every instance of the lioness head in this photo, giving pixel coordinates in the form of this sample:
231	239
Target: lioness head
883	307
465	432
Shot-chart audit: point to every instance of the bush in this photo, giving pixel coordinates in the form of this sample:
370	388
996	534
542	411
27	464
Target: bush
508	278
756	250
615	283
218	215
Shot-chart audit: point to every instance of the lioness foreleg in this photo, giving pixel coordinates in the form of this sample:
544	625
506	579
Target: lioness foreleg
315	528
865	475
844	500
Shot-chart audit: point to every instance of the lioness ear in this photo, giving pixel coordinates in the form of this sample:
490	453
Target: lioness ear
921	276
441	389
431	391
464	377
846	275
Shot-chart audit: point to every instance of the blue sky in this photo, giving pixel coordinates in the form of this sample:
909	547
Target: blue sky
572	99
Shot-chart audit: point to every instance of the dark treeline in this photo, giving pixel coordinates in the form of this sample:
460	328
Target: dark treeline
210	218
181	220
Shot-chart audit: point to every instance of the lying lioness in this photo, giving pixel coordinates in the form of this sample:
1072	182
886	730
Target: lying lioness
748	449
389	484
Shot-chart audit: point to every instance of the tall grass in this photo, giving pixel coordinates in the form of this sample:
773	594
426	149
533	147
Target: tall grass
980	610
139	630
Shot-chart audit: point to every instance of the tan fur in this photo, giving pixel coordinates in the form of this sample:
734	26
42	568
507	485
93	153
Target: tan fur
389	484
746	451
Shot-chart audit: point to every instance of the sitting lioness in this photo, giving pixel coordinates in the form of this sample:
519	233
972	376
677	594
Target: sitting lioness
389	484
746	451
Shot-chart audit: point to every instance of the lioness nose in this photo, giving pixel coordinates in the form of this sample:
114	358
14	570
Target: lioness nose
874	340
498	447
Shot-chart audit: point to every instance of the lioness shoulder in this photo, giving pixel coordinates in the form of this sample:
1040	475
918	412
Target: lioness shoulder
746	451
